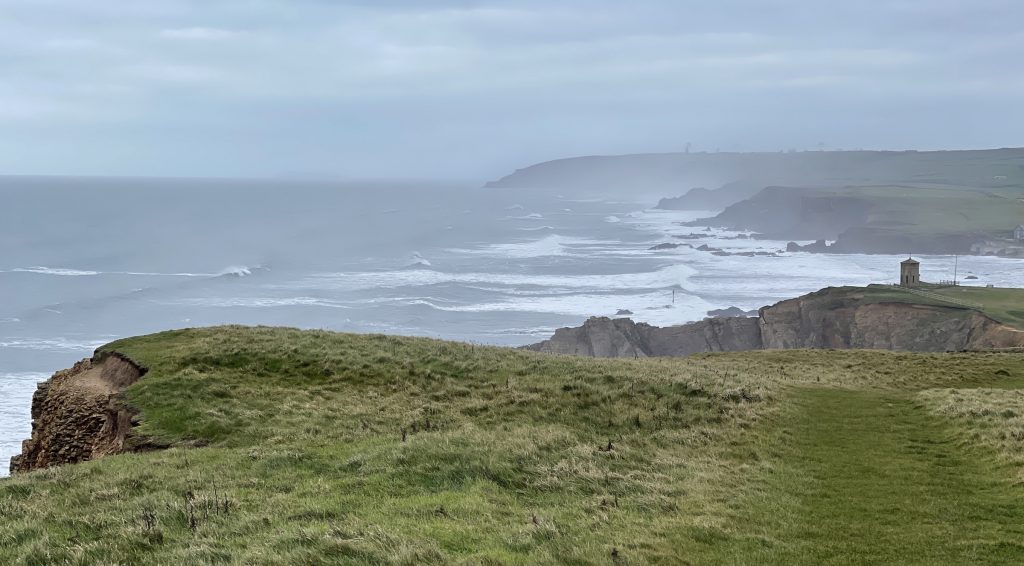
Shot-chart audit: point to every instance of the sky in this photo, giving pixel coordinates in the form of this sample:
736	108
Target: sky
461	89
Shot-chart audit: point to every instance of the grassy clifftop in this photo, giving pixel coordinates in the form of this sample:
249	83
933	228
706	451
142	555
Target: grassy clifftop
316	447
879	219
1005	305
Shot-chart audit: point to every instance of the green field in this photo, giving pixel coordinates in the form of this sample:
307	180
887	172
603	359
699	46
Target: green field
933	211
288	449
1002	304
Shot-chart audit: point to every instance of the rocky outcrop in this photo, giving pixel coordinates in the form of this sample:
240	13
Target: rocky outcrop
842	318
831	319
699	198
622	338
730	312
798	213
81	414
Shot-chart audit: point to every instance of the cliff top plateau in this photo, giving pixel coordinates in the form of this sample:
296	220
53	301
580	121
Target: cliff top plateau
288	446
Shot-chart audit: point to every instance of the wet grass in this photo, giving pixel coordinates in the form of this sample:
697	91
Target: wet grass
314	447
872	477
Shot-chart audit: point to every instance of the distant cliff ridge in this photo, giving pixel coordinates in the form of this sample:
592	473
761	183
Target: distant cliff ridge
877	219
745	173
841	318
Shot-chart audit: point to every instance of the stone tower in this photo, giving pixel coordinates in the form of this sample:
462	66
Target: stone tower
910	273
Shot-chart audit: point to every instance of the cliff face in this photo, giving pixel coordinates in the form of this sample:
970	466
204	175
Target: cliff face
623	338
80	414
832	318
796	213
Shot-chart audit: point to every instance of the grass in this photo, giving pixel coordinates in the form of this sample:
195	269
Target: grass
991	417
931	211
314	447
868	477
1004	305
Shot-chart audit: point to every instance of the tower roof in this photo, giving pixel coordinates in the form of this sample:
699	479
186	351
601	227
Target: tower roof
909	261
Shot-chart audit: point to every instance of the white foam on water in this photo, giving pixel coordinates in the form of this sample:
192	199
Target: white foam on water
666	277
58	344
538	332
419	261
55	271
241	270
16	391
653	308
751	282
230	271
150	274
553	245
256	302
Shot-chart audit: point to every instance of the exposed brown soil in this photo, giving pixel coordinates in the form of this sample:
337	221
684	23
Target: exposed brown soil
81	414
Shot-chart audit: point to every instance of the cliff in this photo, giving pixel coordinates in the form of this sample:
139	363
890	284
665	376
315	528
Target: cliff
80	414
841	318
876	219
741	173
298	446
796	213
602	337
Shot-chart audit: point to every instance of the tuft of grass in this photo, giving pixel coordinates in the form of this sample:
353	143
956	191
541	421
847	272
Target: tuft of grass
296	446
990	417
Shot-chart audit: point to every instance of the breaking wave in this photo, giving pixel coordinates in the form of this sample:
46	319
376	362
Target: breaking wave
55	271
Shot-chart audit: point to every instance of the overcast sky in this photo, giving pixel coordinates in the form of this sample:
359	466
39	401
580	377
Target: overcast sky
471	89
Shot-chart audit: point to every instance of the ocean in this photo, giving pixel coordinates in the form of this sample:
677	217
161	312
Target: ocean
87	261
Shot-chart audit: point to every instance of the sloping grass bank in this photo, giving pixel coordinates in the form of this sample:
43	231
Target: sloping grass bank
869	476
315	447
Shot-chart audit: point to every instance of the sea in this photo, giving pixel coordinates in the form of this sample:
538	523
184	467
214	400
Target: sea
84	261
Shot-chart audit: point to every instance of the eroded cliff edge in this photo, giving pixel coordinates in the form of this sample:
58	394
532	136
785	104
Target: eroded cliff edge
81	414
842	318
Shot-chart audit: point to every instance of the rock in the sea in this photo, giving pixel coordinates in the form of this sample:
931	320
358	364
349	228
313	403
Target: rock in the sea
707	248
819	246
731	311
623	312
665	246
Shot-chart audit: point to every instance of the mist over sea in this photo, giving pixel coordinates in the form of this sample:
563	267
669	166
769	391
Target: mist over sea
87	261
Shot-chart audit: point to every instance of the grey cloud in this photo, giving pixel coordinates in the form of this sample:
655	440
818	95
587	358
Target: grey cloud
471	88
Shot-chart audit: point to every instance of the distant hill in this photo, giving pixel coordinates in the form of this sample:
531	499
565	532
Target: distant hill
742	174
879	219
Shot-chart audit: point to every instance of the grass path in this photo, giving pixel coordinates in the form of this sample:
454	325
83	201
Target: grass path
869	477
